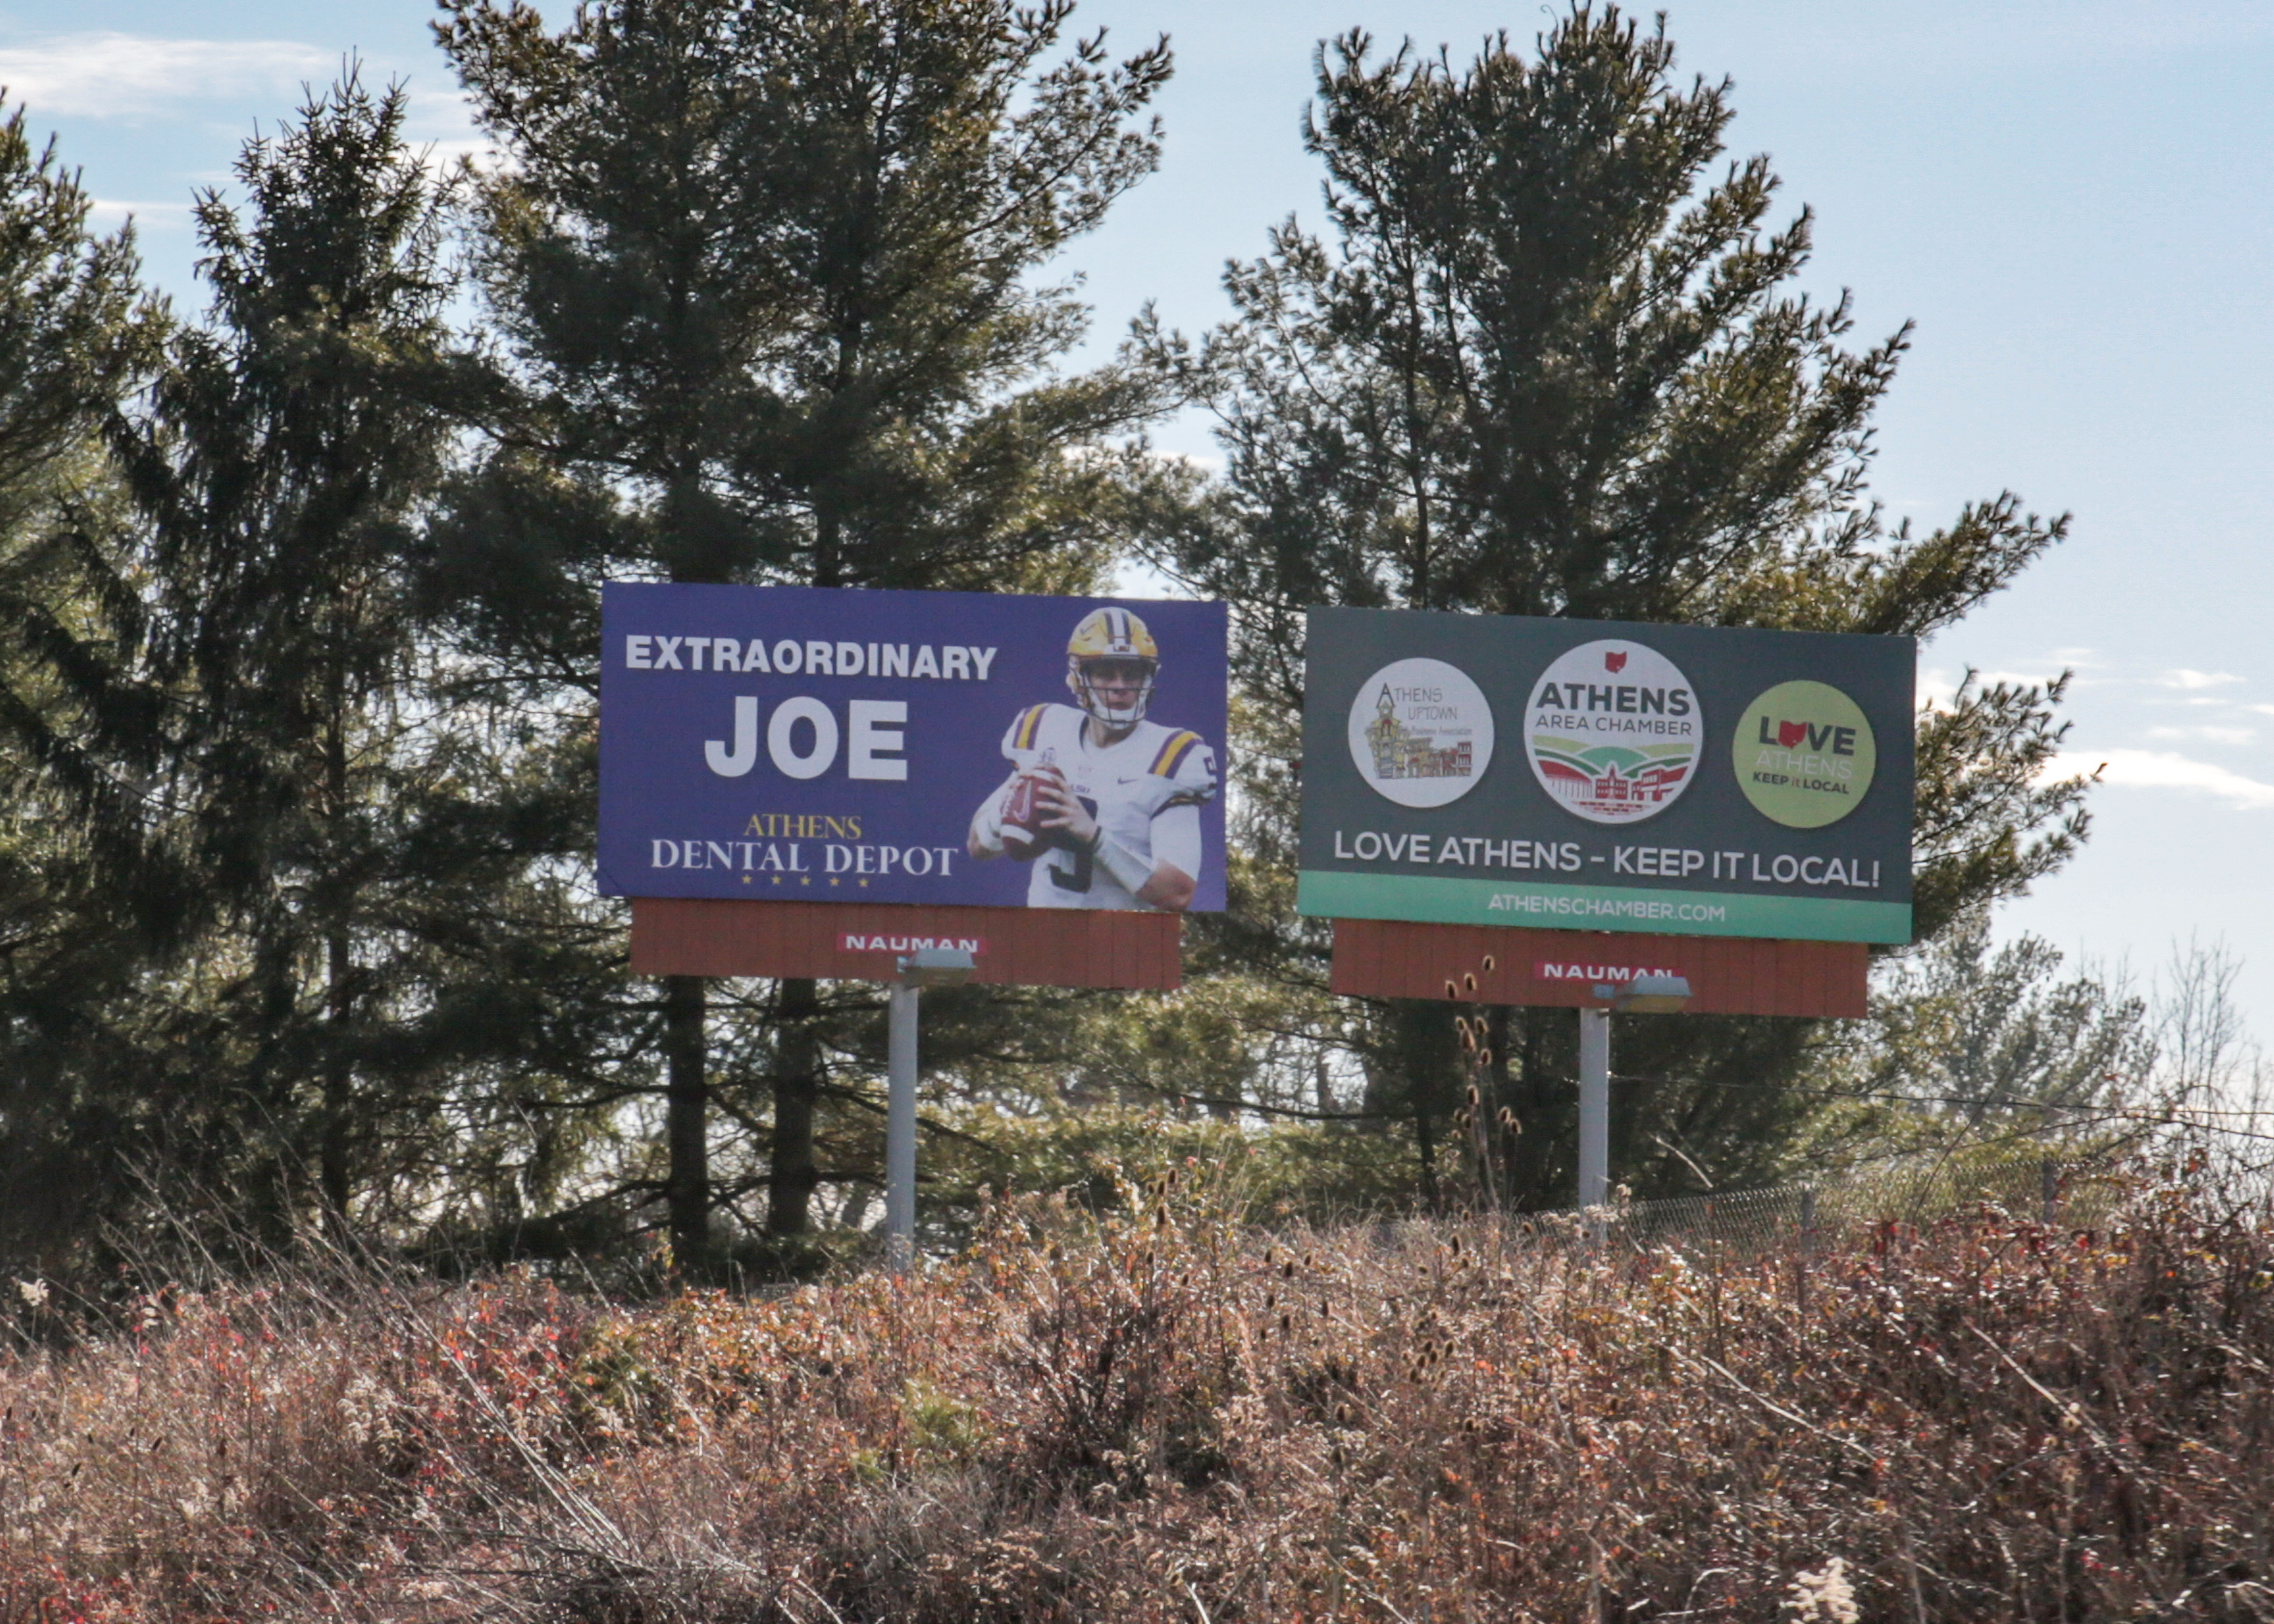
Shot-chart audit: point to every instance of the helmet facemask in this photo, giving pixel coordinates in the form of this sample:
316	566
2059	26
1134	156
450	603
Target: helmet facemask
1082	676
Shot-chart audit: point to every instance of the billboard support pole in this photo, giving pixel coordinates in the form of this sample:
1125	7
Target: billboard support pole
1646	994
926	966
1594	1110
900	1133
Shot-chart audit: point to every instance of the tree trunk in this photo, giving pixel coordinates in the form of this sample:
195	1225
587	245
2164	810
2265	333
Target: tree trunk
1542	1117
686	1095
797	1088
687	1087
1425	1142
333	1174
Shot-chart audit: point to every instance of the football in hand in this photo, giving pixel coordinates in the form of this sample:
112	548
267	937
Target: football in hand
1024	836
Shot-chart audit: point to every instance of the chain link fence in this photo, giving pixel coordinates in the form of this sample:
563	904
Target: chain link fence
2063	1192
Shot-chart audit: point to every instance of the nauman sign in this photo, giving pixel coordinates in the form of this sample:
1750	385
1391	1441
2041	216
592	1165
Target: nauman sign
1598	775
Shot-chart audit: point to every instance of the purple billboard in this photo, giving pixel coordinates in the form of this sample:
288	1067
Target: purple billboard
819	745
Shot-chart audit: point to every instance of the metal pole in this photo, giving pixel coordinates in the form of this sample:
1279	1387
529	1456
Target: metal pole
900	1135
1595	1107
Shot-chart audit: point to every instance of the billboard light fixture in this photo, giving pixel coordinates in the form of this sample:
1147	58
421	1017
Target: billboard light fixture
1648	994
938	967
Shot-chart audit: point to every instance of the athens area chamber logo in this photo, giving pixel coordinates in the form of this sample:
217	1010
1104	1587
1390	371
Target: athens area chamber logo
1420	733
1613	730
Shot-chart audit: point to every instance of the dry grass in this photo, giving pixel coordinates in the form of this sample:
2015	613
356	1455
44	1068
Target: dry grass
1160	1416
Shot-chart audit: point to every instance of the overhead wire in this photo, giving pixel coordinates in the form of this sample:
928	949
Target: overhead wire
2195	1119
2090	1113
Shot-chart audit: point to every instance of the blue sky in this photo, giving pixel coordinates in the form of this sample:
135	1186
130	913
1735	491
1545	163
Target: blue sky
2065	194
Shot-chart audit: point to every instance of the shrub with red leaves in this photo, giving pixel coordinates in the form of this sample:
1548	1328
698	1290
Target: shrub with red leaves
1159	1414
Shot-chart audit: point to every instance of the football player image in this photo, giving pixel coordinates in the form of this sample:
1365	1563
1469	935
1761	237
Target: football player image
1106	804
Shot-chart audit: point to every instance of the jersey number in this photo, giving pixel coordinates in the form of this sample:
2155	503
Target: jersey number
1085	861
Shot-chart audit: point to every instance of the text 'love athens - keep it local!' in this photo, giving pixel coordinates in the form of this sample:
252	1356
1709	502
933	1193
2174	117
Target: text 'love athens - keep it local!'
1605	776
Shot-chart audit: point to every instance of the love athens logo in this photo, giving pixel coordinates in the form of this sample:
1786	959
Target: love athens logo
1804	755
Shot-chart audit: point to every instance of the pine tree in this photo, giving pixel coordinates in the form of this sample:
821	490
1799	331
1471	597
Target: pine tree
1546	363
1982	1032
86	895
353	836
767	271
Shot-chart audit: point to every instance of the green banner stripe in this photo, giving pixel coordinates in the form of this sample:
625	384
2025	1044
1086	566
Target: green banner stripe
1434	900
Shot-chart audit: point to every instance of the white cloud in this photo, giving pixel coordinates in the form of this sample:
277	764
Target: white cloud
2016	679
1938	687
2163	769
107	212
111	75
2208	732
2027	31
441	156
442	121
2186	679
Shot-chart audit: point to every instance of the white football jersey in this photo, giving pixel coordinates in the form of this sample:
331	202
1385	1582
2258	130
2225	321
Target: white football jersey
1125	786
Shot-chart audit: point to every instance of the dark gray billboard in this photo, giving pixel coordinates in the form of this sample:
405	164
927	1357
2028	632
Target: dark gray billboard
1602	775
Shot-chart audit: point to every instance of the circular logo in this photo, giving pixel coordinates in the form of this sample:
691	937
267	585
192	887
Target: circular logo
1613	730
1420	733
1804	755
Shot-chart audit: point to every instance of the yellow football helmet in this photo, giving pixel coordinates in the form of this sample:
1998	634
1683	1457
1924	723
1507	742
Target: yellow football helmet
1117	638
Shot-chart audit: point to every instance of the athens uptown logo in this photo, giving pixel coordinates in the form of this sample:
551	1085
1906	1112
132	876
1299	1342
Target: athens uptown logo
1420	733
1614	732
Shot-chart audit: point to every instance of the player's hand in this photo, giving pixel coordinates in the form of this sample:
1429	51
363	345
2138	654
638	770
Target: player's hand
986	827
1061	810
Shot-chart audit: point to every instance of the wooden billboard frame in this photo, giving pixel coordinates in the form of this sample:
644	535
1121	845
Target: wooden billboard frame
1727	974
